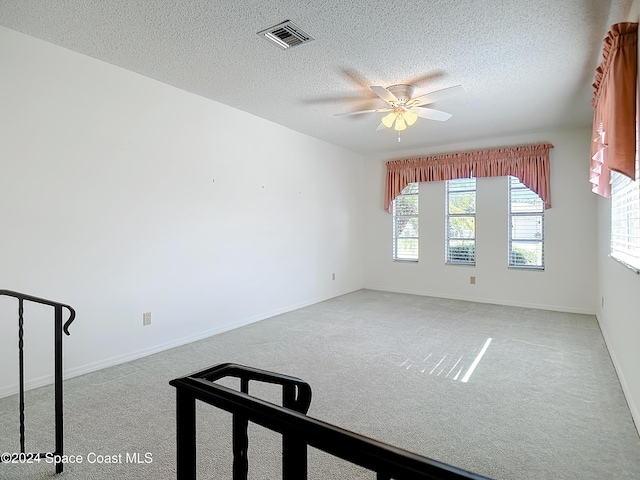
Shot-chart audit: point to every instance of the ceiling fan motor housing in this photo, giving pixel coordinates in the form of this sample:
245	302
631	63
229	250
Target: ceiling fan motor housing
403	93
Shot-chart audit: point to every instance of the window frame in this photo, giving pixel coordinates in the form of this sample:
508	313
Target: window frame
412	189
516	184
625	192
449	216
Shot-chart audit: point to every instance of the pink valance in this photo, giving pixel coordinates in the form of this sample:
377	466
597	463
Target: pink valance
614	108
530	163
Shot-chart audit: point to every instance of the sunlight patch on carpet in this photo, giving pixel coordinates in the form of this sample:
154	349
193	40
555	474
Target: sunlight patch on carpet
457	366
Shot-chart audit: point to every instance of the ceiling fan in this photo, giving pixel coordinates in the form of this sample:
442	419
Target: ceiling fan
403	109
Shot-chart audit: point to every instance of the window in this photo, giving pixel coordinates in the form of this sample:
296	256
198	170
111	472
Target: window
625	219
526	227
460	228
405	224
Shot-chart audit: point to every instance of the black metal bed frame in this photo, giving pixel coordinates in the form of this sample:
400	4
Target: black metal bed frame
58	329
297	429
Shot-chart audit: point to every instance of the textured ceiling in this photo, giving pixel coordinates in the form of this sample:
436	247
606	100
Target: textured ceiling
526	65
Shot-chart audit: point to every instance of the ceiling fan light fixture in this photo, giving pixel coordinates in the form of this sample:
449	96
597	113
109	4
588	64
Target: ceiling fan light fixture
388	120
410	117
400	123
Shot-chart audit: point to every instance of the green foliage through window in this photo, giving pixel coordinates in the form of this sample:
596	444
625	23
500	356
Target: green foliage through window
460	228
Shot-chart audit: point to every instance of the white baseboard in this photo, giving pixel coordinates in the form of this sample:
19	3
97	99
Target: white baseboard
12	389
31	384
538	306
119	359
633	408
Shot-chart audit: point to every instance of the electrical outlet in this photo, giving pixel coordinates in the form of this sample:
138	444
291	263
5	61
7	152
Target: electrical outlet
333	276
602	305
146	319
472	280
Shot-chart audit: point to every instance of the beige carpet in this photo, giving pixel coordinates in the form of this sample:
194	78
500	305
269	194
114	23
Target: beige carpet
542	402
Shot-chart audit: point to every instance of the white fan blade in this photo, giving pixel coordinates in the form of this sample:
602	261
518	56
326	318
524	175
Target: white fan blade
431	114
436	96
381	127
383	93
359	112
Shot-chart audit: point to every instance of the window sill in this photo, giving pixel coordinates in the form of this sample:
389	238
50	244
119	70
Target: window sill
625	264
525	267
404	260
460	264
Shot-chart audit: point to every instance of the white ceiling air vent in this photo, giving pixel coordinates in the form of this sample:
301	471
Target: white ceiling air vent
286	34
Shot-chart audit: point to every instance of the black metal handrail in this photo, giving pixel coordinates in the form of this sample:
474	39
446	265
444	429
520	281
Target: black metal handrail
298	430
58	329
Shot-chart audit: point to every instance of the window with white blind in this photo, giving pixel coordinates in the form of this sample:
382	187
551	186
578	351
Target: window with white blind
405	224
460	218
526	227
625	219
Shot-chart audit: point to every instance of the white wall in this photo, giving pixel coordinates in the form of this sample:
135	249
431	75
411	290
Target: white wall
568	281
122	195
619	312
619	302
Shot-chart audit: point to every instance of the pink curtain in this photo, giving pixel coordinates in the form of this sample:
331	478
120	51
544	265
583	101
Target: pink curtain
614	108
530	163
